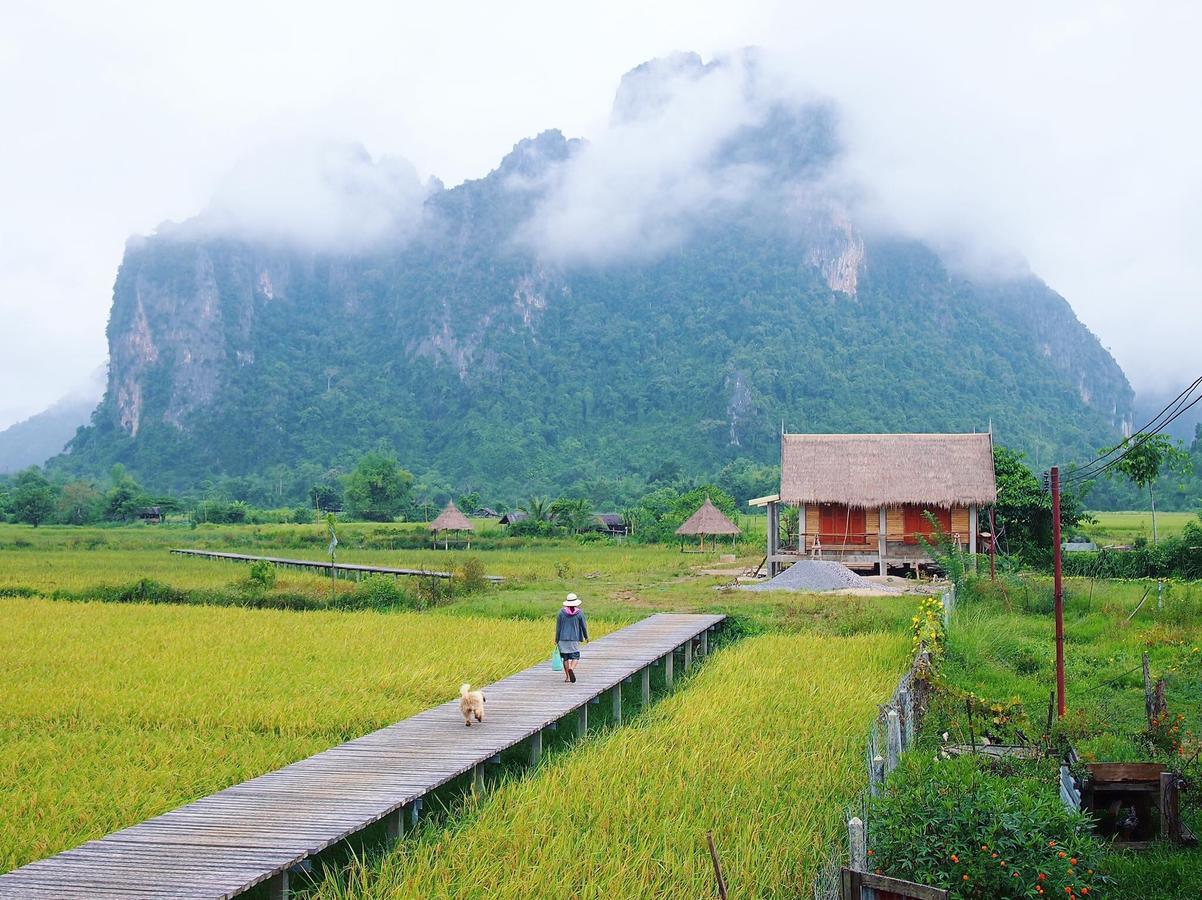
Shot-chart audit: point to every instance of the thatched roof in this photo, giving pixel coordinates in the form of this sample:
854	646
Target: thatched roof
708	520
872	470
451	519
511	518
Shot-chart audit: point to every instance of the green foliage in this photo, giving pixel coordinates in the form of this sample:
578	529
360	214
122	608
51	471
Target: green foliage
378	489
658	514
261	576
959	825
33	497
469	579
1174	557
380	592
1024	509
573	514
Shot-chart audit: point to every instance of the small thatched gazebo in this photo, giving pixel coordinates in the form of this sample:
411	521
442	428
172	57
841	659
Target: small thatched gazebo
451	519
708	520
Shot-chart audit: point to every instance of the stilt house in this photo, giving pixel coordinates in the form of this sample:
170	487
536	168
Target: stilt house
862	499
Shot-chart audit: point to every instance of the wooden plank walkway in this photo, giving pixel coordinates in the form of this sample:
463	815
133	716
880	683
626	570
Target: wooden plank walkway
349	569
226	843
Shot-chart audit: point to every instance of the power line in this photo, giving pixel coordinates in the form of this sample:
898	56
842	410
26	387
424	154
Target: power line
1140	436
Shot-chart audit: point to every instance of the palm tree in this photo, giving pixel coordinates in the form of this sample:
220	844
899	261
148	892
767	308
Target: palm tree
538	509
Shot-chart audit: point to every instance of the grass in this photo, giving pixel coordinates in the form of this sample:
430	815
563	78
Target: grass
119	711
114	713
1125	527
1001	649
763	746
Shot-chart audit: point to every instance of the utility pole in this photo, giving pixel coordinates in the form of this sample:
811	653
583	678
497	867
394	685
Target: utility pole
992	538
1058	595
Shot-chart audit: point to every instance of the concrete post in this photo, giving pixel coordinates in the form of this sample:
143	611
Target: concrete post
646	684
395	823
857	851
668	669
277	887
617	700
893	741
582	720
688	654
536	747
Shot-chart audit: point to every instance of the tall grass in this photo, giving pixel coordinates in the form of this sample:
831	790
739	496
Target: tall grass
763	746
114	713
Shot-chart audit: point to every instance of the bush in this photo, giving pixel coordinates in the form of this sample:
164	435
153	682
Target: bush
957	824
470	577
379	592
1175	557
261	577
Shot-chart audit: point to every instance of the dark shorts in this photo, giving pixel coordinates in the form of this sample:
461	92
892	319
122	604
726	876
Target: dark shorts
575	655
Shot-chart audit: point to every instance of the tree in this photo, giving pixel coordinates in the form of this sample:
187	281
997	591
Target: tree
1145	457
78	503
575	514
378	488
469	502
1023	512
538	509
125	497
33	497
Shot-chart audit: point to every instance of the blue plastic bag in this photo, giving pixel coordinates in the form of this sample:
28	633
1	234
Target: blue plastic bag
556	661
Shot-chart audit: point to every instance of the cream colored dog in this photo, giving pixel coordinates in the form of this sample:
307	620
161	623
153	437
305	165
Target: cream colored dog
471	703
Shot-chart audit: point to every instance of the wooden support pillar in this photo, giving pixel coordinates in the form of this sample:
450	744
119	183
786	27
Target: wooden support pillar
668	668
773	537
688	654
882	541
705	642
415	809
645	680
395	823
277	886
972	535
478	778
536	747
582	720
617	700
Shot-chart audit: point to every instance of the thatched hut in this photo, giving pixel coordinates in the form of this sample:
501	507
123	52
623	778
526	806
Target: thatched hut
612	524
864	499
451	519
708	520
513	517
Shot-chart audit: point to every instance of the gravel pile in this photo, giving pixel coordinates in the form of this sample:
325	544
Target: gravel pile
817	575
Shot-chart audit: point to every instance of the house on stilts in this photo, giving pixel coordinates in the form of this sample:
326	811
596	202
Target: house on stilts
863	499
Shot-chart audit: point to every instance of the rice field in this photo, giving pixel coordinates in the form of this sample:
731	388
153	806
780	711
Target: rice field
1125	526
763	746
114	713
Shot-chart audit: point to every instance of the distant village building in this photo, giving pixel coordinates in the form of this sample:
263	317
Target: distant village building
151	514
612	524
512	518
863	499
451	520
708	521
486	512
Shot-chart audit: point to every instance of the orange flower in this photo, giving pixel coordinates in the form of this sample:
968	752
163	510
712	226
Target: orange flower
1084	890
993	856
1013	874
1062	854
1002	863
1073	860
1038	889
870	853
1042	876
955	858
1051	843
984	846
964	877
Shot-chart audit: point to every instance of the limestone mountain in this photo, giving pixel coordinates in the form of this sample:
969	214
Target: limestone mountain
572	321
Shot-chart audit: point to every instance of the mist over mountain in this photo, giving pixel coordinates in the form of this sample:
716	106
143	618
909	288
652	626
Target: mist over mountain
588	314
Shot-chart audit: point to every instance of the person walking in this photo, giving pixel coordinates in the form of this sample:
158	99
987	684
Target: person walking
570	631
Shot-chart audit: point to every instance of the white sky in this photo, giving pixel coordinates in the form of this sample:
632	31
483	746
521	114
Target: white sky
1068	135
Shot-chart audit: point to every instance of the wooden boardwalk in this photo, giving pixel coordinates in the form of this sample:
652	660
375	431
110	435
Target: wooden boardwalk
253	832
347	570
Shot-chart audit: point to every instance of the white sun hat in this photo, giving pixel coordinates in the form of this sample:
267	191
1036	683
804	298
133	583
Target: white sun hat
572	600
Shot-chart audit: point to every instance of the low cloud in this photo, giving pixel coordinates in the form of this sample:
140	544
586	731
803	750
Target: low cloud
317	195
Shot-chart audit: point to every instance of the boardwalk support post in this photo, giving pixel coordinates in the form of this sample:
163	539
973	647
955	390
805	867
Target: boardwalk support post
478	778
646	684
536	747
705	642
277	887
688	654
668	668
582	720
415	809
617	697
395	823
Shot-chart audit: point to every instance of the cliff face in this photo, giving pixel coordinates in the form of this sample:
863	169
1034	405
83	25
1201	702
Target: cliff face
484	360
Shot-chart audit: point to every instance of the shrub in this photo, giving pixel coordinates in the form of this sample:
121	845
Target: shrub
470	577
379	592
955	824
261	577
